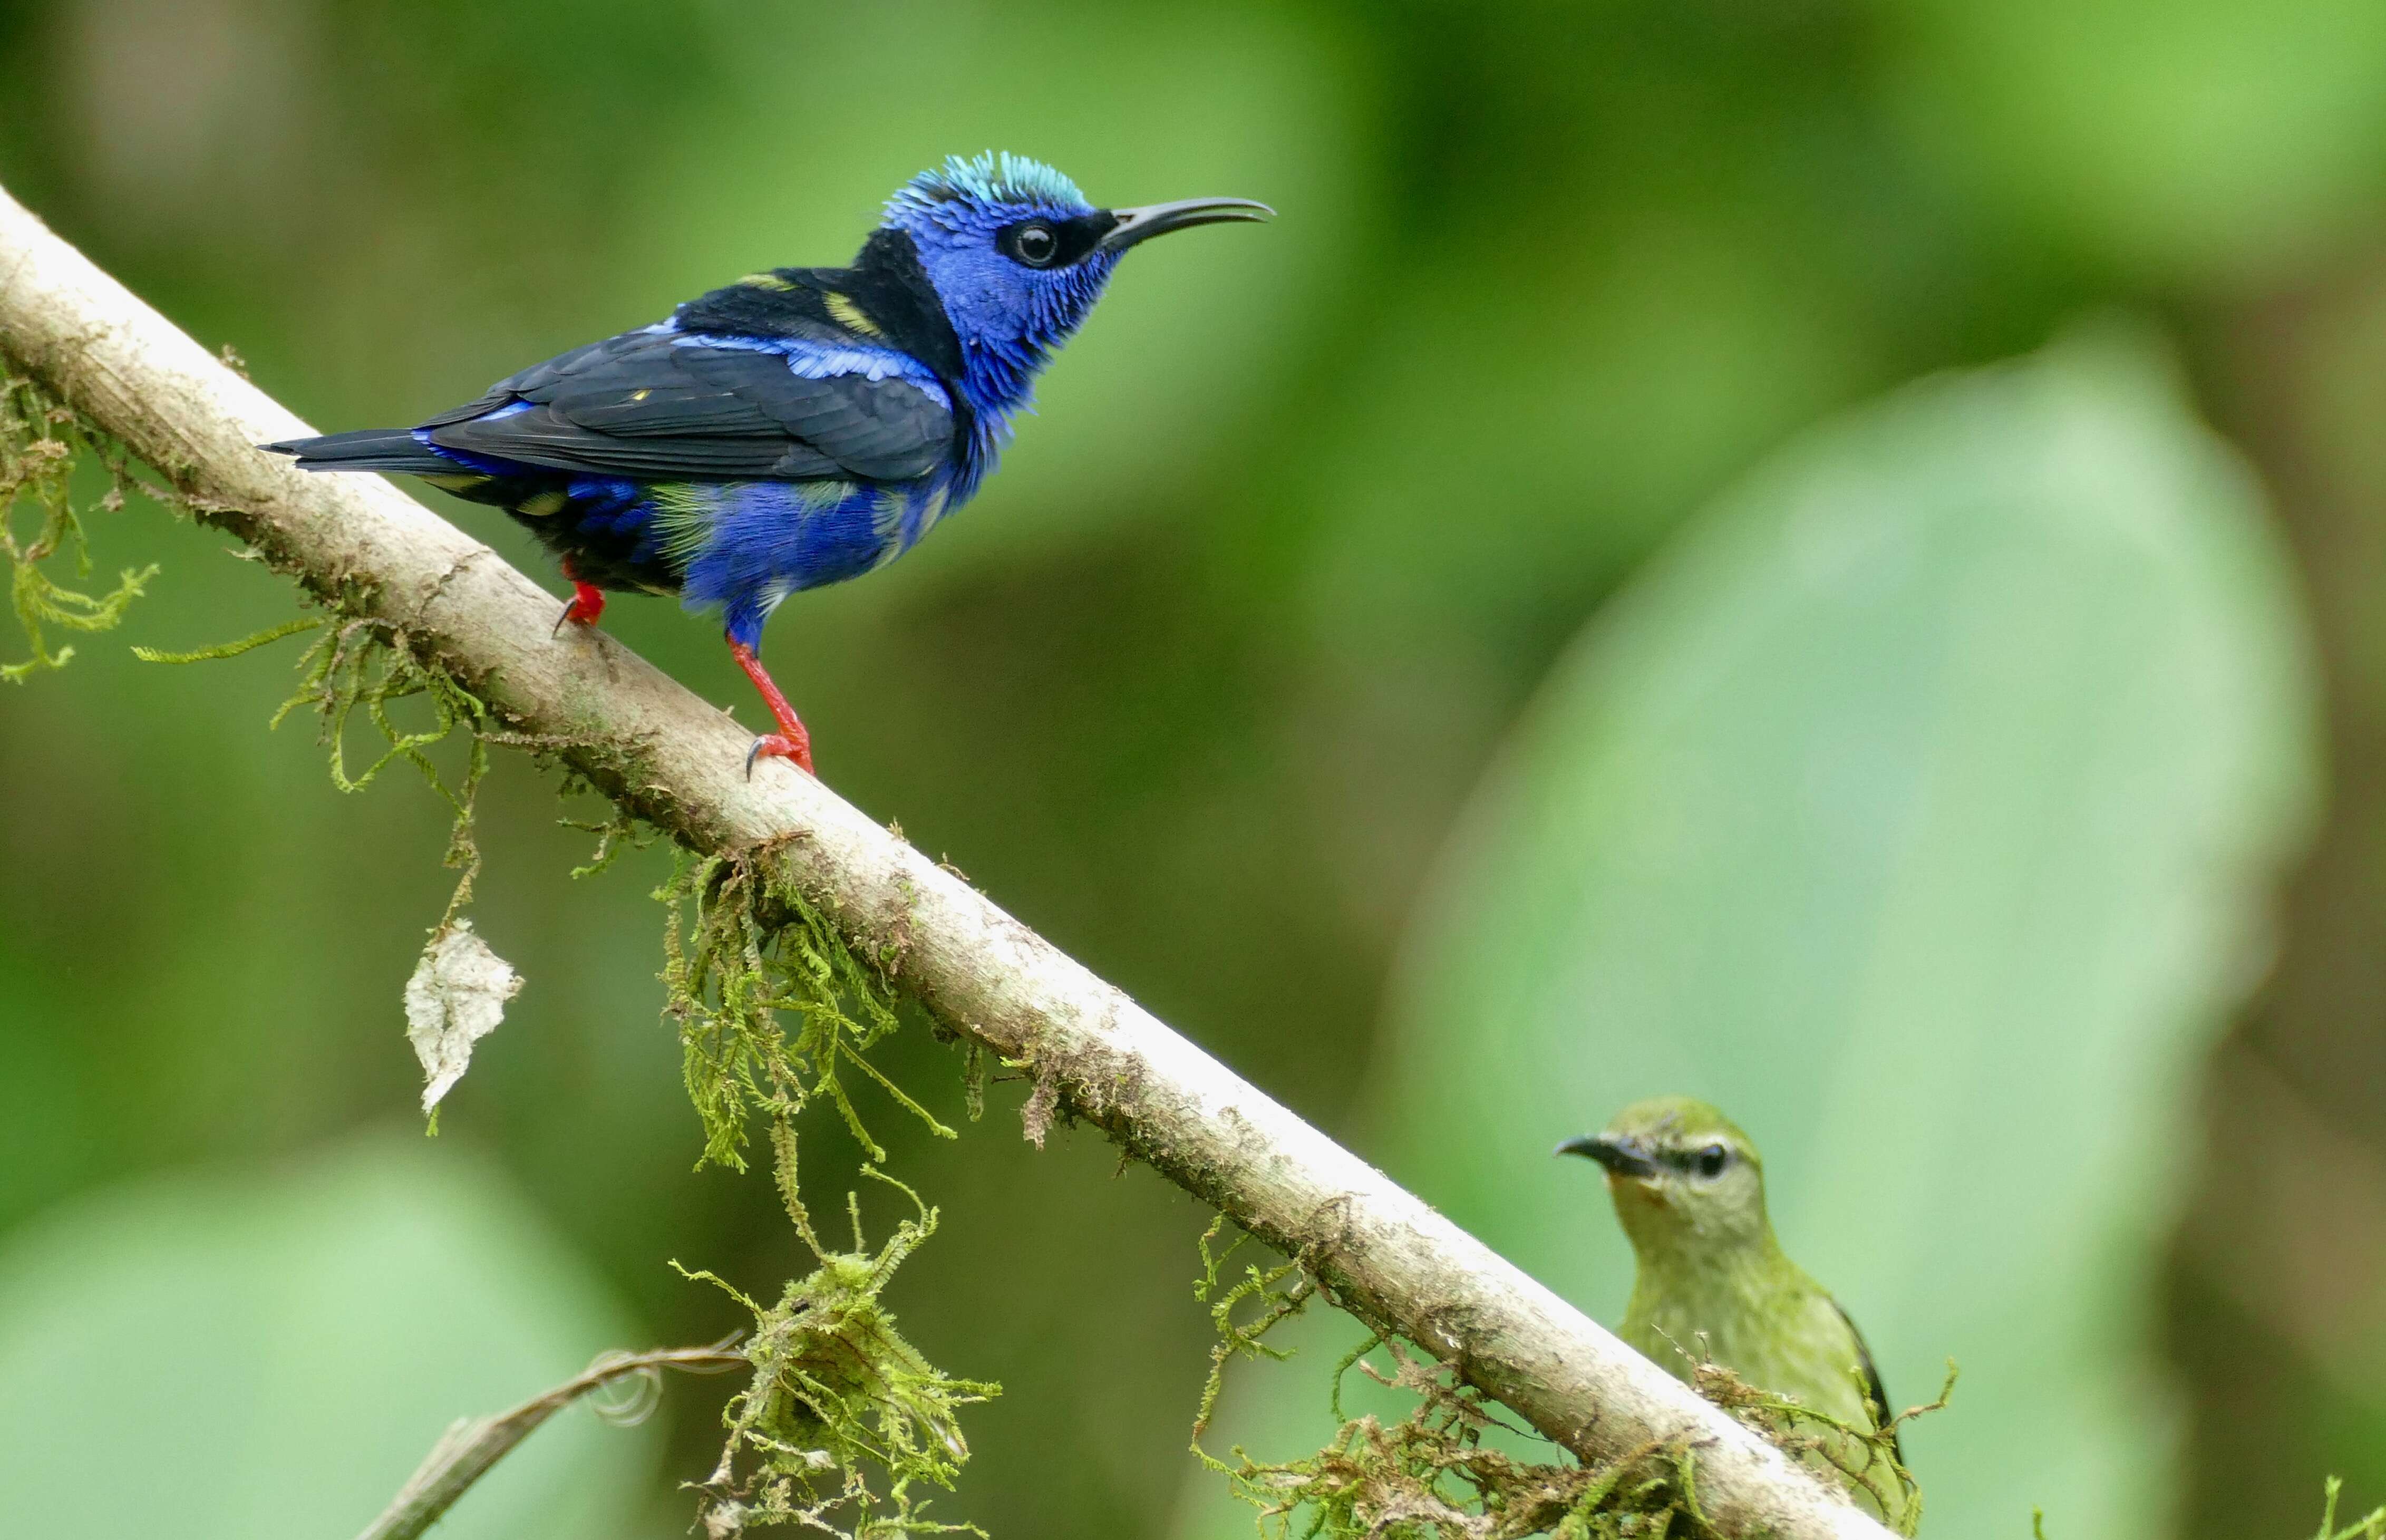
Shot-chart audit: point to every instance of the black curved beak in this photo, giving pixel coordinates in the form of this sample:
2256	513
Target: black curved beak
1621	1157
1158	218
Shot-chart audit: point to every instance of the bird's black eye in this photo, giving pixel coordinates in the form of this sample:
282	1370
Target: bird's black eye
1035	244
1712	1161
1047	241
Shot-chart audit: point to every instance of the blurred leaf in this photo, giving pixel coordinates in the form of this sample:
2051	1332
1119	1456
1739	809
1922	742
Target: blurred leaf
267	1357
2184	140
1917	808
1504	452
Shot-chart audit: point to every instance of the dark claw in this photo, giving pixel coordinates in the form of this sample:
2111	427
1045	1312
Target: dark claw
586	607
795	751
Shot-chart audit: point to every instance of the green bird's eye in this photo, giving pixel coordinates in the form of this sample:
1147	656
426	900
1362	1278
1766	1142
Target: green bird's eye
1036	245
1712	1161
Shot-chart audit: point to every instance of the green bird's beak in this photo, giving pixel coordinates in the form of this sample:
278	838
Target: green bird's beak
1158	219
1620	1157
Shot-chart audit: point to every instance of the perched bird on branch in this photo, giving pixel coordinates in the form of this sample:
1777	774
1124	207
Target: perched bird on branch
1712	1285
799	427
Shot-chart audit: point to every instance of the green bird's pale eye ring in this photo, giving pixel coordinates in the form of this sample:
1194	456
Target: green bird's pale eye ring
1710	1161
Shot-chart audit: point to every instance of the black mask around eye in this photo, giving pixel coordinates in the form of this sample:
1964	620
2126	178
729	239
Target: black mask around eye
1049	243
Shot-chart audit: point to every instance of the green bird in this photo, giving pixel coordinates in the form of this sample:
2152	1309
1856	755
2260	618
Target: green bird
1711	1283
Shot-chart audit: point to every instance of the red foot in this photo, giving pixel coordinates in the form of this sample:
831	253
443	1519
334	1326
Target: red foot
588	603
791	741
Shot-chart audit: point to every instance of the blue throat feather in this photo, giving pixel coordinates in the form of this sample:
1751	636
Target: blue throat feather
798	426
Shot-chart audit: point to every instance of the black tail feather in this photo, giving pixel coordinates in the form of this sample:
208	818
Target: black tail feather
367	449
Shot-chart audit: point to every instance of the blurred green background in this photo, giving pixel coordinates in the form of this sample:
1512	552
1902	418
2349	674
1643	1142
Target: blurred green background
1538	625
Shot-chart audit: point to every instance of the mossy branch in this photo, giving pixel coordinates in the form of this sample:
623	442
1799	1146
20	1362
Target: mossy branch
662	756
1430	1476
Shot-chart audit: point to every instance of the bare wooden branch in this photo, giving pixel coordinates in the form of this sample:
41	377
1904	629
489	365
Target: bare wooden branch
472	1445
671	758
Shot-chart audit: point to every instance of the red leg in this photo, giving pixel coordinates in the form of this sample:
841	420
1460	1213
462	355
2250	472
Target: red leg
588	603
791	741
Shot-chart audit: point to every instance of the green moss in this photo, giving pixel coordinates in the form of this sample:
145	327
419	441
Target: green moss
838	1396
2369	1526
774	1008
1859	1458
250	642
620	830
1226	1293
362	665
40	442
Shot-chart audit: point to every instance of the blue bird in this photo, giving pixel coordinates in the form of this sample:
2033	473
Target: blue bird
799	427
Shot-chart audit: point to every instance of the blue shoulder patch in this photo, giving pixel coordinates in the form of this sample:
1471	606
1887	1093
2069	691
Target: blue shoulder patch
814	360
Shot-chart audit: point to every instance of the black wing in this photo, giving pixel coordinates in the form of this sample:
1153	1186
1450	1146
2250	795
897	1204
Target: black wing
1872	1386
654	405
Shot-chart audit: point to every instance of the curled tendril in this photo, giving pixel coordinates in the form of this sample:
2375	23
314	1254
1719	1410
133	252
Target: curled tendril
630	1399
